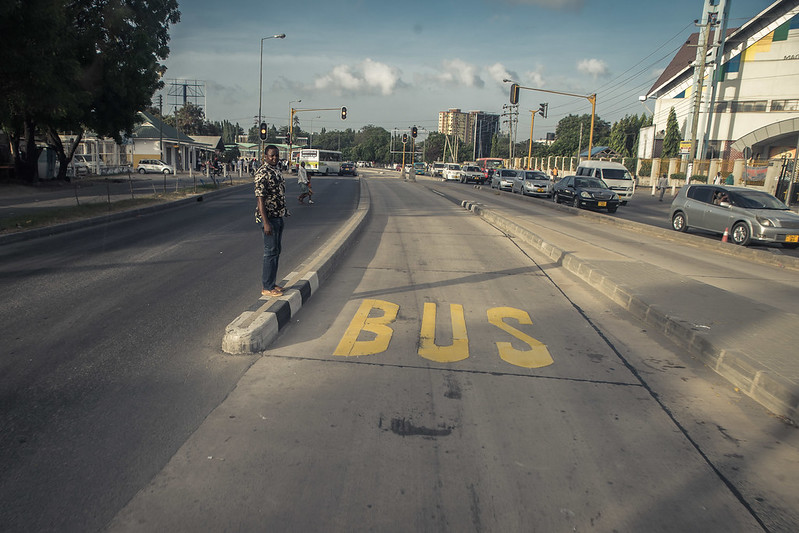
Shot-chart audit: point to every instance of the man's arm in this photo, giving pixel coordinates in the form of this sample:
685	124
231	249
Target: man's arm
262	210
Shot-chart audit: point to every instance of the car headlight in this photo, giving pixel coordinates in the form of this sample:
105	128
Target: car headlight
585	194
763	221
614	196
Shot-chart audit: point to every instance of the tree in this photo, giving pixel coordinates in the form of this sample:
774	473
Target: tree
96	64
569	139
671	141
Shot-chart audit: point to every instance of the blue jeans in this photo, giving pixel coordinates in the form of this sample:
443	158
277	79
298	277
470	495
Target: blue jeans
272	253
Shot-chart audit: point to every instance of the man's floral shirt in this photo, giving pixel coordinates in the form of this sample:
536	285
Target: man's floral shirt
269	184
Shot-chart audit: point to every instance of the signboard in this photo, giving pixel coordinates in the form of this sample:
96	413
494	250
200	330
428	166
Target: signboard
685	147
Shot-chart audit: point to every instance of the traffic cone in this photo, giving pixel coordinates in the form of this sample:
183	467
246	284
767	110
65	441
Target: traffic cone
726	236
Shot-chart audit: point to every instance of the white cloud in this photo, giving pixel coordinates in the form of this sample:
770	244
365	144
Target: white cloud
534	78
459	72
497	72
368	77
593	67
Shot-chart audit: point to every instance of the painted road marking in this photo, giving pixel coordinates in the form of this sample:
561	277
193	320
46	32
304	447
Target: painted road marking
536	357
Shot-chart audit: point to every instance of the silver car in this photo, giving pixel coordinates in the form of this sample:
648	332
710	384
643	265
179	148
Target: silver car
532	183
747	214
154	165
503	178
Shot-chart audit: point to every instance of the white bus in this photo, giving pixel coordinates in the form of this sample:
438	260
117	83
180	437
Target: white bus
317	161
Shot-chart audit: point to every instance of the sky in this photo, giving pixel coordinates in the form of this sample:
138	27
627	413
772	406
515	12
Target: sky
397	64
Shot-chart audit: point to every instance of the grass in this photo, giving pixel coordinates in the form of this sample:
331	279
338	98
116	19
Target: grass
58	215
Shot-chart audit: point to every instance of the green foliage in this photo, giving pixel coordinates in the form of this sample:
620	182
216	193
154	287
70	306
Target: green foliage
624	134
698	178
434	147
678	176
568	138
646	168
671	141
96	64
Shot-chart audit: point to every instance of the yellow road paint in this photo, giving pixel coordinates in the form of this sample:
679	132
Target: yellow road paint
350	345
536	357
458	350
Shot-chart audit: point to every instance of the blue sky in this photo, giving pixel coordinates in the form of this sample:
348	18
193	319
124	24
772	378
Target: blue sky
397	64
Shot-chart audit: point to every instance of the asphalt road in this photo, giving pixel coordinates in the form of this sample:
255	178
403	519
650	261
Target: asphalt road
449	378
111	346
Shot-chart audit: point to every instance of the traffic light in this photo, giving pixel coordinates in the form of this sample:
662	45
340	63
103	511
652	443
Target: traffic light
262	132
414	131
514	93
542	110
288	138
343	113
404	138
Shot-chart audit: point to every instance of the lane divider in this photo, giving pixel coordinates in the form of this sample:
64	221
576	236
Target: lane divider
254	329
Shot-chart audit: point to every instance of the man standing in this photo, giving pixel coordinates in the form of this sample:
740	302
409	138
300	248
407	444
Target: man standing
305	183
663	184
270	192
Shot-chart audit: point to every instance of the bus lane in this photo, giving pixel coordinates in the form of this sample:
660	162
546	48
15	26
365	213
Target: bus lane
441	381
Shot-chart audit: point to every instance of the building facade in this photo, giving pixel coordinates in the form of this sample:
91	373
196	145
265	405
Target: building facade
749	104
475	127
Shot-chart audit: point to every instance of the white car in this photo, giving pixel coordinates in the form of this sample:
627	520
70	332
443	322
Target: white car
452	172
503	178
471	173
154	165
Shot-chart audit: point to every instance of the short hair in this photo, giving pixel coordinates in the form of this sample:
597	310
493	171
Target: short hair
271	147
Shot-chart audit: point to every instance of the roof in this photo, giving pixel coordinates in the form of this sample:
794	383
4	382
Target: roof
211	140
603	151
151	127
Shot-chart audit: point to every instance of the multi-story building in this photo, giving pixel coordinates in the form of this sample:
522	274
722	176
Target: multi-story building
474	127
750	103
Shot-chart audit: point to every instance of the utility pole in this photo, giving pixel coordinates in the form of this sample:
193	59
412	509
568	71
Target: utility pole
719	18
699	80
530	145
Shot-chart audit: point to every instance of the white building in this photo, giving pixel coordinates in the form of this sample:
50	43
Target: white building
754	102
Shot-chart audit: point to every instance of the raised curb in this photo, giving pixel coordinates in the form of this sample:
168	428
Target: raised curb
256	328
772	391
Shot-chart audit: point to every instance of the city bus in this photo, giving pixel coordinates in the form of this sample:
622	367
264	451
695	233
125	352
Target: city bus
316	161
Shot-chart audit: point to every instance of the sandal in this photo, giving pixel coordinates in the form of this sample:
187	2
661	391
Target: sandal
271	293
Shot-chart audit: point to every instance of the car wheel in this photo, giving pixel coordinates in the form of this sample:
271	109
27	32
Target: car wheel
790	245
612	209
142	171
740	234
556	198
166	171
576	202
678	222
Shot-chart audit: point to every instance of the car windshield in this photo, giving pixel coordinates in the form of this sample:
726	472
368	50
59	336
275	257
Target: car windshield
593	183
507	173
755	200
473	169
454	167
535	176
615	174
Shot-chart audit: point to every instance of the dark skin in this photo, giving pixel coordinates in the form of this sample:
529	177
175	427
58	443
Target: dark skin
272	157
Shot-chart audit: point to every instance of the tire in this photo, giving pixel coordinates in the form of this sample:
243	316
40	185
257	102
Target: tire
740	234
166	171
612	209
556	198
576	202
142	171
678	222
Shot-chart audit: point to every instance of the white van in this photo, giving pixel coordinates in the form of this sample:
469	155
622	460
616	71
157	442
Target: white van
615	175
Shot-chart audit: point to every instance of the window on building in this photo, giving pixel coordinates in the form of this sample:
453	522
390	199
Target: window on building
785	105
752	106
721	107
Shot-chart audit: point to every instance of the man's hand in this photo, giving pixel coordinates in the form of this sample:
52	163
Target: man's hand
267	228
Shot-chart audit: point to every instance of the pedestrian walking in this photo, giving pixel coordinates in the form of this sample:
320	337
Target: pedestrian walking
270	193
663	184
717	179
555	173
305	184
730	180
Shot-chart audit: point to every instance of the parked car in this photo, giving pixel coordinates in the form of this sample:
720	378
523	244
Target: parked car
452	172
503	178
437	170
471	173
87	161
585	192
532	183
347	168
747	214
154	165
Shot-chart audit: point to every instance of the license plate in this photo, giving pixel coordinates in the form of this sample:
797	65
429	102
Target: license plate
792	238
601	204
540	190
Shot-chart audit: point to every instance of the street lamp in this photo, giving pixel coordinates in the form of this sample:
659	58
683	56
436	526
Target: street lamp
261	83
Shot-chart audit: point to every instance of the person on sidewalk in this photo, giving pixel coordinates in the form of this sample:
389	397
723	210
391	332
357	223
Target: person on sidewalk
270	192
305	183
555	173
663	184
